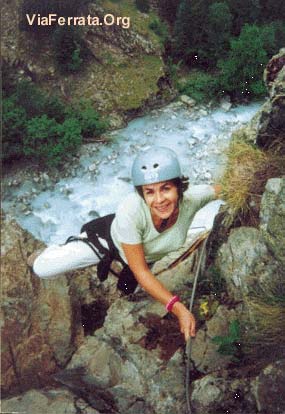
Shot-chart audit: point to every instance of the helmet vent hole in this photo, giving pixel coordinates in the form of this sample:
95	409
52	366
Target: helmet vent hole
155	165
143	167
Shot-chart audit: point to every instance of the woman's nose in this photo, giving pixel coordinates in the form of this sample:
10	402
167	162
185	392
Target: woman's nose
158	197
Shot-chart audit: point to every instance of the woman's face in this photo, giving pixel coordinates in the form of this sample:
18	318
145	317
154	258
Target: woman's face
161	198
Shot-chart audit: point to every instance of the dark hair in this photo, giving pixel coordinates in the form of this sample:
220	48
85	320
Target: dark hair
181	183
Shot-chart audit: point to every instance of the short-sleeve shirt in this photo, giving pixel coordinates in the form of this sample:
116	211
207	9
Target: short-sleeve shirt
133	223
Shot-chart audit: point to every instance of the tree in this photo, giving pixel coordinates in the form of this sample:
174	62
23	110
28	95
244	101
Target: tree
243	11
168	9
218	31
190	31
241	72
272	10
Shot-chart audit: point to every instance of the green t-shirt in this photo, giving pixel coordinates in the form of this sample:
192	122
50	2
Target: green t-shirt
133	223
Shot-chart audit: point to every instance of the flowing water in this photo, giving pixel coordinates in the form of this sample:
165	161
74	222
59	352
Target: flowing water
100	178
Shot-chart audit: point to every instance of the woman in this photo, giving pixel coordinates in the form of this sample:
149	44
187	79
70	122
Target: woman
148	224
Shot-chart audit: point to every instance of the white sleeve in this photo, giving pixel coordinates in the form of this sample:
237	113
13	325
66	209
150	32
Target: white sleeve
201	194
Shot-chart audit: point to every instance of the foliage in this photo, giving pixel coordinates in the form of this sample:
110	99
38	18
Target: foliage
70	50
241	72
142	5
168	9
90	122
229	344
243	11
272	10
218	31
43	127
14	119
190	31
159	28
200	86
36	102
48	141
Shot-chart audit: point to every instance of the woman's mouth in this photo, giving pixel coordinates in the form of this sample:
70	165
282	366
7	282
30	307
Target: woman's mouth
163	209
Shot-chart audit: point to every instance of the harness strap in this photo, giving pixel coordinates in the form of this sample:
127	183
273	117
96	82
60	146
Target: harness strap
103	265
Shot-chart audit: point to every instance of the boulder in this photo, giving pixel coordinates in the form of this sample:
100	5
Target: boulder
268	388
272	217
218	393
247	266
47	401
188	101
39	325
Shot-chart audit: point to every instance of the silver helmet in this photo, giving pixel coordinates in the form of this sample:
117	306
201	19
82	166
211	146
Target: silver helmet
155	165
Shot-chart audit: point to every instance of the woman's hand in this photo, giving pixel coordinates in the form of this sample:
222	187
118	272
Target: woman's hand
186	320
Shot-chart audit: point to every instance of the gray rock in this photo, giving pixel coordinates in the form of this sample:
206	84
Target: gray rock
272	217
247	266
48	401
268	388
190	102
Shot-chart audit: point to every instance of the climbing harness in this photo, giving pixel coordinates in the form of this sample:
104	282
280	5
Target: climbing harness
189	342
98	230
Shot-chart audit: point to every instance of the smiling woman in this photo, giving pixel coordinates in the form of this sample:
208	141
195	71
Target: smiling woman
148	224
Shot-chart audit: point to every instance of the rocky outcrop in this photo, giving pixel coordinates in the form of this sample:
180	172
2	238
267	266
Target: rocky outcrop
48	401
267	128
39	323
272	218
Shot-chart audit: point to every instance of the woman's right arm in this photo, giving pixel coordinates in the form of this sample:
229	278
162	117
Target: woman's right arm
136	260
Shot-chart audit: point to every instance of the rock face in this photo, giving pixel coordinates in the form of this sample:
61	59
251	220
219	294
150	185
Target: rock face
125	70
272	218
39	317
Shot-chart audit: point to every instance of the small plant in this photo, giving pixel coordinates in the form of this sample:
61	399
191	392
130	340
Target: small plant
230	344
159	28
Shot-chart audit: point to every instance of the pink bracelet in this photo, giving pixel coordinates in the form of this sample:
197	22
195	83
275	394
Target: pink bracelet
172	301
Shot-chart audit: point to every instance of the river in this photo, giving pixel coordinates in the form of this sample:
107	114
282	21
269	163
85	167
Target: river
100	177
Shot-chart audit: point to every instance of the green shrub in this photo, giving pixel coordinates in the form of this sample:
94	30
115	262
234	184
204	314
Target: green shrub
201	86
90	122
159	28
14	120
37	103
43	127
69	48
241	72
50	142
142	5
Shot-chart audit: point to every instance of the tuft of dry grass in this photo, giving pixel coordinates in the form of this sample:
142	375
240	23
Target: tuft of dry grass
266	337
247	171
